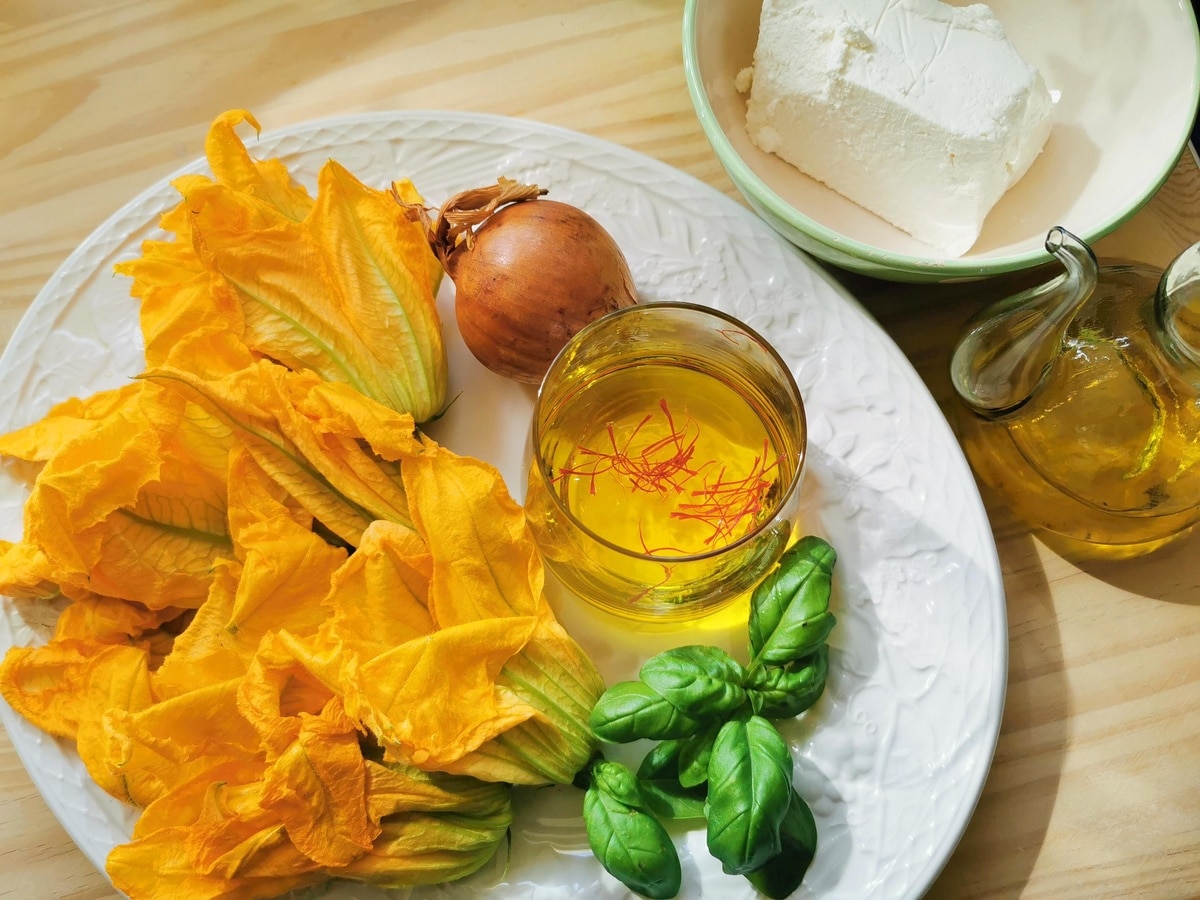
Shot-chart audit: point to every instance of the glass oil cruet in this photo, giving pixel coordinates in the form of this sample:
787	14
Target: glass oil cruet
1082	401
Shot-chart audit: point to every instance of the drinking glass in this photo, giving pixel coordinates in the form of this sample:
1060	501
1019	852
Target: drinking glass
664	461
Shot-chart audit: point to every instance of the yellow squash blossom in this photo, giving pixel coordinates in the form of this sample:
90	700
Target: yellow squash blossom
307	641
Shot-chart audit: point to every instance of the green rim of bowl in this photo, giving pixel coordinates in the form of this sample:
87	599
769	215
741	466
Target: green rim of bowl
747	181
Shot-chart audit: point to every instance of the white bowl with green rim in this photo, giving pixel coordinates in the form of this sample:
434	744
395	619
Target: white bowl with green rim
1127	77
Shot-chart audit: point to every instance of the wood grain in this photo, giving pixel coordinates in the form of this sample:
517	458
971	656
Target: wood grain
1095	788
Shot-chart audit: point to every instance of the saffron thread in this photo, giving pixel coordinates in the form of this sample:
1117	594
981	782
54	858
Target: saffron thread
665	466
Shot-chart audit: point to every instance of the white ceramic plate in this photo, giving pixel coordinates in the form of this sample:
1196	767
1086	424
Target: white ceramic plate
893	758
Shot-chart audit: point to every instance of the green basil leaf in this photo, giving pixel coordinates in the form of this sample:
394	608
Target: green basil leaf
662	760
632	845
749	791
781	692
704	682
782	874
618	782
789	610
665	796
694	754
630	710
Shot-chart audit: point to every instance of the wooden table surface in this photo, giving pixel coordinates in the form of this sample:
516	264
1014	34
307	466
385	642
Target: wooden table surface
1095	788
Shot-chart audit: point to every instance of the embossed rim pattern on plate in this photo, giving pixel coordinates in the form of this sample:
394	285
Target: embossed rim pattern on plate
894	758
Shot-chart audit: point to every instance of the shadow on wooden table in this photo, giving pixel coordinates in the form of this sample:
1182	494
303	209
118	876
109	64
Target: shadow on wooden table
1170	574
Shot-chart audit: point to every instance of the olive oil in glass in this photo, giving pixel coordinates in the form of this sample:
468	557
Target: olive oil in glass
666	454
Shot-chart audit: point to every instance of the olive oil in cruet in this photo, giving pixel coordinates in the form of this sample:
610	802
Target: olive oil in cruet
1082	401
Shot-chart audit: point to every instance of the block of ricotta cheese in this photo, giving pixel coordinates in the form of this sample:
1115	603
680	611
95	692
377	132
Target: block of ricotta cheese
921	112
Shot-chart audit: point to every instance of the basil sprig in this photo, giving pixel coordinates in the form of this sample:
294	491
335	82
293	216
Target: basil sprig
749	790
719	755
782	874
701	682
663	789
629	841
783	692
630	710
789	610
694	755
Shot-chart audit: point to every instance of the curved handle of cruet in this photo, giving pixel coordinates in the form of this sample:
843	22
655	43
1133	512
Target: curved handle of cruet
1009	347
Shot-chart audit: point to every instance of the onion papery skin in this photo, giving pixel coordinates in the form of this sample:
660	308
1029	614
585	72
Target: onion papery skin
534	274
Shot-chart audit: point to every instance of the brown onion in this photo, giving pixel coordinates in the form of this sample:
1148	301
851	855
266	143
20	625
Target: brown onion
528	274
